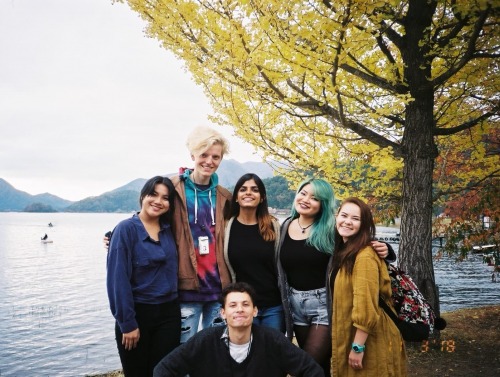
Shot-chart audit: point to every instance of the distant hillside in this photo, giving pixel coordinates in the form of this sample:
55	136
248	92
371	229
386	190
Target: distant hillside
230	170
39	207
136	186
122	199
13	200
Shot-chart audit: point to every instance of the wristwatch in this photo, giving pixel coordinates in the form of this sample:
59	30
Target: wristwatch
358	348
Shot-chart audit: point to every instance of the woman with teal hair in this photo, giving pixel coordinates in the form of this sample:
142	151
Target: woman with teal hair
307	241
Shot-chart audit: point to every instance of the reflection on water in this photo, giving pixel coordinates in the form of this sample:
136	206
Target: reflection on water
54	314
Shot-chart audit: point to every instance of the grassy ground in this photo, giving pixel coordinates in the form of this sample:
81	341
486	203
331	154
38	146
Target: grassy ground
469	346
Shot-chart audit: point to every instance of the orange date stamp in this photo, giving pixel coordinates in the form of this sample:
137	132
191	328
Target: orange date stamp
443	345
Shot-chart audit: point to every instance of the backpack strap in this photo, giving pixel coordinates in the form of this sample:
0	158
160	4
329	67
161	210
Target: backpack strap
384	305
388	310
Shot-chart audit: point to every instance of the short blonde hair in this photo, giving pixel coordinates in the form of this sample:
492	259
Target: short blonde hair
202	138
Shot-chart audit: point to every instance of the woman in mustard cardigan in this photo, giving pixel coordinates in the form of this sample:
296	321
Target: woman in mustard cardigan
365	341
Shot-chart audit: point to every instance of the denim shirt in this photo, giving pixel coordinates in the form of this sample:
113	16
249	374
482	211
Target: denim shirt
140	270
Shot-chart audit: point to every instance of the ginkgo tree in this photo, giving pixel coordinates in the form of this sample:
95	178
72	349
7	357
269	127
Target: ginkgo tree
363	93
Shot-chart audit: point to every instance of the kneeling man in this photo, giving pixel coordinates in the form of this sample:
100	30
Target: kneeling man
238	349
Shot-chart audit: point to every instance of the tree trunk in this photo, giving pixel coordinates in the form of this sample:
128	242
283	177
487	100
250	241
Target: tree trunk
415	251
419	151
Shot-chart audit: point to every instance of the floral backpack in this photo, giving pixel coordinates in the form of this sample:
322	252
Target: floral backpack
415	317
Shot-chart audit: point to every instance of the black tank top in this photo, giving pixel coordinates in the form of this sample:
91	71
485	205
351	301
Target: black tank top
304	265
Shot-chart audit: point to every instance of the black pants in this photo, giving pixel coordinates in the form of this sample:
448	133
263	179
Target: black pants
160	332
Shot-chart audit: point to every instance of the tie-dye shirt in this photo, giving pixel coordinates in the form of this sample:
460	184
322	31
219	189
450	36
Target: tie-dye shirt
200	200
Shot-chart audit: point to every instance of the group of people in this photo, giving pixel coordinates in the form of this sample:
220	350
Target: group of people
198	258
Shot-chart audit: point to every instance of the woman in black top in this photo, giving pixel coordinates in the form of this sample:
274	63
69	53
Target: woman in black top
250	248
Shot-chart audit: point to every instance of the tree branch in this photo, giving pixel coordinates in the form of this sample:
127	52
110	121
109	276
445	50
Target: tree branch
470	186
378	81
393	36
469	53
335	118
466	125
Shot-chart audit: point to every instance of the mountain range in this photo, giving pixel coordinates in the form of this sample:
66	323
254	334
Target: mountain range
122	199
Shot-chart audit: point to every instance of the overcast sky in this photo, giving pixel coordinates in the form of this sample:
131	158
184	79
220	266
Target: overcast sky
88	102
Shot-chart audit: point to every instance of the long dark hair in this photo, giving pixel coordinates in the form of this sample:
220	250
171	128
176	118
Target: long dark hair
264	219
149	189
346	252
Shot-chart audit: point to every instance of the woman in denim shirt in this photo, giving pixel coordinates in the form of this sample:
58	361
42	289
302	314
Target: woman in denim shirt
142	275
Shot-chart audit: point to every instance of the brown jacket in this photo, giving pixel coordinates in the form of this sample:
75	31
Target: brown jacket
188	279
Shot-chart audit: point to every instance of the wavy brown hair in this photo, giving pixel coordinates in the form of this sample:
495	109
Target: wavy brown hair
346	252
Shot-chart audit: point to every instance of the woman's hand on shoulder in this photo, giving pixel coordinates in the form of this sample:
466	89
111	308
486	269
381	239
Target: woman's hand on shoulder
106	239
381	249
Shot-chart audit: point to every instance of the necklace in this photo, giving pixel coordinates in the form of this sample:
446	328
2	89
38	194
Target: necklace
300	226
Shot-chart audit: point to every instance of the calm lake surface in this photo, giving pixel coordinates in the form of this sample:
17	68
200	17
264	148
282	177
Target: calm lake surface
54	313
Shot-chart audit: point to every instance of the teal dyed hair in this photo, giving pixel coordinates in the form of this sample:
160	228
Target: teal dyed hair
322	235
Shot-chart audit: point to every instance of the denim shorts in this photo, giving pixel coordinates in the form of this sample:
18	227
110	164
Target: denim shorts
309	307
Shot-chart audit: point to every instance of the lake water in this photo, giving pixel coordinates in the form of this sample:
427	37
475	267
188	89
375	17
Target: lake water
463	284
54	313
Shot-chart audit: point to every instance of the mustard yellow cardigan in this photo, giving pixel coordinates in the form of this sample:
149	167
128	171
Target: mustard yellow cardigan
355	305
